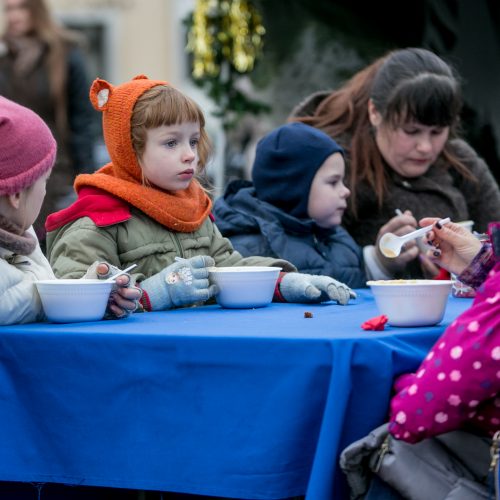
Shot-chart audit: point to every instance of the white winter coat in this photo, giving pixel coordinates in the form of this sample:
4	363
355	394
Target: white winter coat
19	300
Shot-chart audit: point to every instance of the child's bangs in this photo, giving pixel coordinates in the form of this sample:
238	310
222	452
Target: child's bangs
169	107
431	100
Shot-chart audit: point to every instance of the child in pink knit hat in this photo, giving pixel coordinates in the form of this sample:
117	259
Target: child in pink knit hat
27	155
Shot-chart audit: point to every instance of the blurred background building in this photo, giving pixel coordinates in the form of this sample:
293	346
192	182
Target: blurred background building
309	45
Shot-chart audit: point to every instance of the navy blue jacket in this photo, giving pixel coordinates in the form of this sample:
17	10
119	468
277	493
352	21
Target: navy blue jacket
256	227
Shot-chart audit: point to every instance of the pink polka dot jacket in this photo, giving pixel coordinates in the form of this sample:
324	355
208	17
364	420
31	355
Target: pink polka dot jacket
458	383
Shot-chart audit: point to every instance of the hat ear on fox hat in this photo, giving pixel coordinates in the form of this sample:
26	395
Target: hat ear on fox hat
100	93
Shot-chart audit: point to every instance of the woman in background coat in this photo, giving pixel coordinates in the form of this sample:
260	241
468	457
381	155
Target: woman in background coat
42	68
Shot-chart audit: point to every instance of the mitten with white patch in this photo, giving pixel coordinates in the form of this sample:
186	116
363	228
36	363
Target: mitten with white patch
180	284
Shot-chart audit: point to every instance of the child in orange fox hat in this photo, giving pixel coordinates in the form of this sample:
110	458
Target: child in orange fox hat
146	207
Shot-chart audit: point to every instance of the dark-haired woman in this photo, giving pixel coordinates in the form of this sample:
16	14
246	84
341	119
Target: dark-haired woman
397	120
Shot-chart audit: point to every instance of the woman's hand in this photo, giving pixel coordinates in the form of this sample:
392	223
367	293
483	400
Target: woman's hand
399	225
452	246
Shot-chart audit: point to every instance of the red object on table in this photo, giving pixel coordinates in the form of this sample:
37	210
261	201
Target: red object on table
376	323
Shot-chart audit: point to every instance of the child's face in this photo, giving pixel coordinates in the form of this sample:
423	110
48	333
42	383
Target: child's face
328	194
170	157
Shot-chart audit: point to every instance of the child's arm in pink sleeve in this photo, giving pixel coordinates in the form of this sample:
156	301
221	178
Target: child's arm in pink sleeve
460	371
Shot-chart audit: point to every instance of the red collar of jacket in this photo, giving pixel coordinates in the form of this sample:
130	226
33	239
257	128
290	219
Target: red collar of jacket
103	208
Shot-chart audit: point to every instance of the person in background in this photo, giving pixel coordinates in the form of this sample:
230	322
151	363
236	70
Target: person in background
27	155
147	207
398	122
42	67
293	209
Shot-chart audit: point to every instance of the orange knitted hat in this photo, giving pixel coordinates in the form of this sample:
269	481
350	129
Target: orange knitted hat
183	211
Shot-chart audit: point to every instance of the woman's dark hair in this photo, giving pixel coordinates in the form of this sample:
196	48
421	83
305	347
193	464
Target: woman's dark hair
405	85
416	85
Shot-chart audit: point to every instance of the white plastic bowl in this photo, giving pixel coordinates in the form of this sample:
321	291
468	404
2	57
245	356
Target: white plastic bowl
244	287
411	302
72	300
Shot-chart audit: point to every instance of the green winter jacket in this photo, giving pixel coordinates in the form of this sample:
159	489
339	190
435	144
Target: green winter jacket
140	240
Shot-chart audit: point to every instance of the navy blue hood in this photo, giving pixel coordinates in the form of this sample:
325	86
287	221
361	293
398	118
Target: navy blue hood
286	161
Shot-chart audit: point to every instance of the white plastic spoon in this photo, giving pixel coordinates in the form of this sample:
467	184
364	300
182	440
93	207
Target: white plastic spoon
390	244
124	271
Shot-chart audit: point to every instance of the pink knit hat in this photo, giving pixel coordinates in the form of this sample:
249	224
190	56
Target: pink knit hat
27	147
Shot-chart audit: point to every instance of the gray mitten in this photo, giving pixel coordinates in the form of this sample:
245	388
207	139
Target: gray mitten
309	288
115	290
92	271
180	284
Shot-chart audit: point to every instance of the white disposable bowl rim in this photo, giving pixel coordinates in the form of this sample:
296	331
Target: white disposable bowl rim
241	269
409	282
72	281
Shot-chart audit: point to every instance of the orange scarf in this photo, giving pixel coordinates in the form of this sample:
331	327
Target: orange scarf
183	211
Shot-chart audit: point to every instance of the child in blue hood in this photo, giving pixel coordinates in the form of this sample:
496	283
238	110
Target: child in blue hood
293	209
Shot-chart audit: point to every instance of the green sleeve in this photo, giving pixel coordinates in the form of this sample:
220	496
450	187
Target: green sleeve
74	247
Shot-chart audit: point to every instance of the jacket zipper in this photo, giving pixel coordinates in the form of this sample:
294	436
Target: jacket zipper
178	245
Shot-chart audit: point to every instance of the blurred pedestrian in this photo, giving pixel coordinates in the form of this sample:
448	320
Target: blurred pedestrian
42	67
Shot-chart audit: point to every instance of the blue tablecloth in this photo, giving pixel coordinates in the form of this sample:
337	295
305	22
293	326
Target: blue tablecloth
238	403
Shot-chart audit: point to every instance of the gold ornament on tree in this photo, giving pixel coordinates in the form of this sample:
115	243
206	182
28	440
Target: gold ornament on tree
225	39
